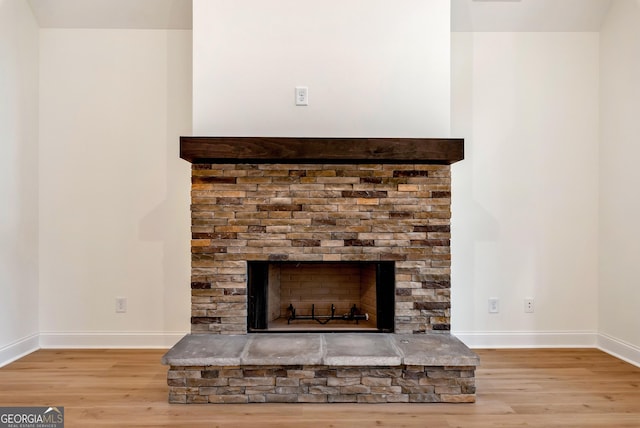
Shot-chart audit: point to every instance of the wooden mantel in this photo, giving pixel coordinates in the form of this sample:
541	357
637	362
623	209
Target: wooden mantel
321	150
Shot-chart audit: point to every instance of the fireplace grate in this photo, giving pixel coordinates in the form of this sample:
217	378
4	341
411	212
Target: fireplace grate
353	315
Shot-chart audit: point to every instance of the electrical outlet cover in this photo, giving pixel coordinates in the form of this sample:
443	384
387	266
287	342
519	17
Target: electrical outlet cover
302	96
529	306
121	305
494	305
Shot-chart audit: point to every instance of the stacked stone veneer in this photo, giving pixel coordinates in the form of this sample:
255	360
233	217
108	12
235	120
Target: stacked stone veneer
321	384
317	212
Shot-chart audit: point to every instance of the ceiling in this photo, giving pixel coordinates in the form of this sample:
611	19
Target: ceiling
466	15
135	14
528	15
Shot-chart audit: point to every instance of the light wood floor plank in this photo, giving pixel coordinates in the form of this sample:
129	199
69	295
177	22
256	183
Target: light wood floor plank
532	388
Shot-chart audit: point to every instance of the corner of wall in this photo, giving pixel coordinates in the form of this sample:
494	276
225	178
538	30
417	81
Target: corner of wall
18	349
619	205
19	56
619	349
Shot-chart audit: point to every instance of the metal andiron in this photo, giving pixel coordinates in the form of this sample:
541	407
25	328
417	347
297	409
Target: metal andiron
352	315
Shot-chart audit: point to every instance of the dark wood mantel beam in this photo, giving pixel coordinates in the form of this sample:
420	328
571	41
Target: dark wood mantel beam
321	150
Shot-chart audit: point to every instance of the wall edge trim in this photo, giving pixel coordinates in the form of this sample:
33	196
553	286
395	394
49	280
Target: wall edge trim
110	340
19	348
528	339
620	349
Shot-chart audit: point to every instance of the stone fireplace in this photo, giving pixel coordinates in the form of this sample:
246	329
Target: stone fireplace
309	236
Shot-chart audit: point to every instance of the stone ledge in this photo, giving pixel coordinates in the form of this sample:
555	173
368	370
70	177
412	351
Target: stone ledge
321	384
331	349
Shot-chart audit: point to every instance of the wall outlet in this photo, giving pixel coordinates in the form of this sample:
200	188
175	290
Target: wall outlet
528	306
121	305
302	96
494	305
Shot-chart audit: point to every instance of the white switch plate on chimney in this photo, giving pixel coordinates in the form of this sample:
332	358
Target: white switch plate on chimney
302	96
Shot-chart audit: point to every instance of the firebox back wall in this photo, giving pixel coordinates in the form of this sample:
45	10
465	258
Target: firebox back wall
317	212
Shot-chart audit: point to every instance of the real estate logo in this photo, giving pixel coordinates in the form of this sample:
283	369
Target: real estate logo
31	417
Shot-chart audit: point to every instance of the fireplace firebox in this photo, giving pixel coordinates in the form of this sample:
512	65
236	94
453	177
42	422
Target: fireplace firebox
321	296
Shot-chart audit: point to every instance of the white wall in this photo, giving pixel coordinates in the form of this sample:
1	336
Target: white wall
619	295
114	195
18	180
525	199
373	67
526	196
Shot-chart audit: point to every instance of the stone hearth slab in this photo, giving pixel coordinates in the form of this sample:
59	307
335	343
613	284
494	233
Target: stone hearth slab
332	349
352	349
283	349
433	350
206	349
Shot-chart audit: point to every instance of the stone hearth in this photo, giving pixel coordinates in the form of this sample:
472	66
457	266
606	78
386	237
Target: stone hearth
321	368
264	206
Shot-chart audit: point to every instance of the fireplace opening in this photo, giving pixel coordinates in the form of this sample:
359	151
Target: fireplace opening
321	296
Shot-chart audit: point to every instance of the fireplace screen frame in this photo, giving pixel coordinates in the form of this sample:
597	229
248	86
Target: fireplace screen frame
258	295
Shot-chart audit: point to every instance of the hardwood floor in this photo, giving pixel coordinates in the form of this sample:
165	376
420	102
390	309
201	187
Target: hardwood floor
533	388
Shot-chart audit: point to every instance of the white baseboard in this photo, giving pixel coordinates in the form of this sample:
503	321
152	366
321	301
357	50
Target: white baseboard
563	339
74	340
507	339
619	349
18	349
524	339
